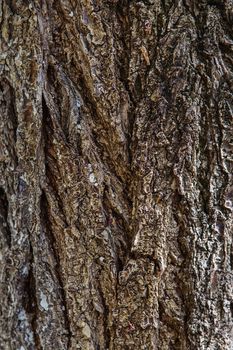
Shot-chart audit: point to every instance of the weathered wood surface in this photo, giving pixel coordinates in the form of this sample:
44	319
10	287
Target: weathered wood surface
116	191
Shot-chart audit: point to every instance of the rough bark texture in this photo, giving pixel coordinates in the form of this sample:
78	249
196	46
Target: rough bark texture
116	191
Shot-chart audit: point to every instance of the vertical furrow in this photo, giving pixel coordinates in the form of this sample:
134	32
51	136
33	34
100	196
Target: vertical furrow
116	190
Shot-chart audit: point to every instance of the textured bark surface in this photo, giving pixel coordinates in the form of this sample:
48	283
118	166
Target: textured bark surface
116	191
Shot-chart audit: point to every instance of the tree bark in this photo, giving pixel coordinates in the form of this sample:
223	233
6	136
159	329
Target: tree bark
116	191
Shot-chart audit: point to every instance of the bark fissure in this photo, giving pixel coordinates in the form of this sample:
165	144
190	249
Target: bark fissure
4	225
31	303
116	192
58	268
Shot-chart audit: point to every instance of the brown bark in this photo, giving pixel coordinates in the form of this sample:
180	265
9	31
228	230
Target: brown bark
116	191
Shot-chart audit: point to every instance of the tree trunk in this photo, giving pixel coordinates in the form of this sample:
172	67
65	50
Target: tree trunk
116	191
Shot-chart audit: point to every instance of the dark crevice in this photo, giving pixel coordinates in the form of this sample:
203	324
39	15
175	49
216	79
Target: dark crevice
30	300
123	63
55	119
120	265
47	122
44	206
4	225
51	181
50	168
150	258
90	104
231	308
50	161
112	212
231	258
107	335
216	3
61	100
185	280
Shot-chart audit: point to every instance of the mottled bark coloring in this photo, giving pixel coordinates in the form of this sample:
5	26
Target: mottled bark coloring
116	162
